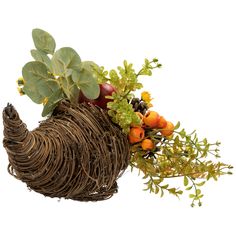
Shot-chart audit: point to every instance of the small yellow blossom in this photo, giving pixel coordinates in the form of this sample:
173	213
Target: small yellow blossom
20	81
45	101
146	97
53	75
20	90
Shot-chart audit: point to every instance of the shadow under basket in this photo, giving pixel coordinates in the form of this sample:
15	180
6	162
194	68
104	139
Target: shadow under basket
77	153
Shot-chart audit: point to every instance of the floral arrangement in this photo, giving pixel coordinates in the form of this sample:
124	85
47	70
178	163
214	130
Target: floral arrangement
159	150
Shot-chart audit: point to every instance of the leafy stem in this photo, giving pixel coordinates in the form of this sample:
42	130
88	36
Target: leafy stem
148	67
125	80
180	155
197	195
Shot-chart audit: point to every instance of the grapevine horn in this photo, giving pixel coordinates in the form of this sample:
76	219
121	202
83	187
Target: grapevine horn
77	153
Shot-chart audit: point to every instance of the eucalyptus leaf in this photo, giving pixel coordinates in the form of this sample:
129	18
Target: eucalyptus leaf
42	57
64	59
69	88
52	102
32	92
90	66
38	83
43	41
87	83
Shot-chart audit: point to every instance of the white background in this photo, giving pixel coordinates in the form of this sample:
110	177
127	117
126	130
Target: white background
195	42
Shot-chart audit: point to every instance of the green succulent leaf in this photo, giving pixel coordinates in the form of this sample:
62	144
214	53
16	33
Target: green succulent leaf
43	41
64	59
42	57
122	113
38	82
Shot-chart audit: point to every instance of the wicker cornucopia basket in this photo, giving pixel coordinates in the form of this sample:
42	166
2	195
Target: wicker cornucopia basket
77	153
96	128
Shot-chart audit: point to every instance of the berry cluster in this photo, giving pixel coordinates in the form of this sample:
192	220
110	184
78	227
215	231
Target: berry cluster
139	105
152	128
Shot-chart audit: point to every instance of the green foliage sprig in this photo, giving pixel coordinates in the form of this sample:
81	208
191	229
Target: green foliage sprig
125	80
56	75
180	155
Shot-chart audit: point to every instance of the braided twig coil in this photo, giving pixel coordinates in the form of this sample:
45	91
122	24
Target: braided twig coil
77	153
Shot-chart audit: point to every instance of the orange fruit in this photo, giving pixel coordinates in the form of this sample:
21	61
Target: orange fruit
151	119
147	144
136	135
168	129
161	123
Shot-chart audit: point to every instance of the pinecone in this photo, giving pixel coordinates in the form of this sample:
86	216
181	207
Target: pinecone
139	105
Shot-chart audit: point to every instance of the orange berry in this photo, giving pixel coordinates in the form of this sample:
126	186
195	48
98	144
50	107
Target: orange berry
168	129
140	115
147	144
136	135
151	119
161	123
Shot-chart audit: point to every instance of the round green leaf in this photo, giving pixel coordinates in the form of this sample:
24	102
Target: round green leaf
64	59
87	83
43	41
38	82
89	66
42	57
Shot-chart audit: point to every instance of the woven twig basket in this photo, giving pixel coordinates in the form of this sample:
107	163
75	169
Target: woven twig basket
77	153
